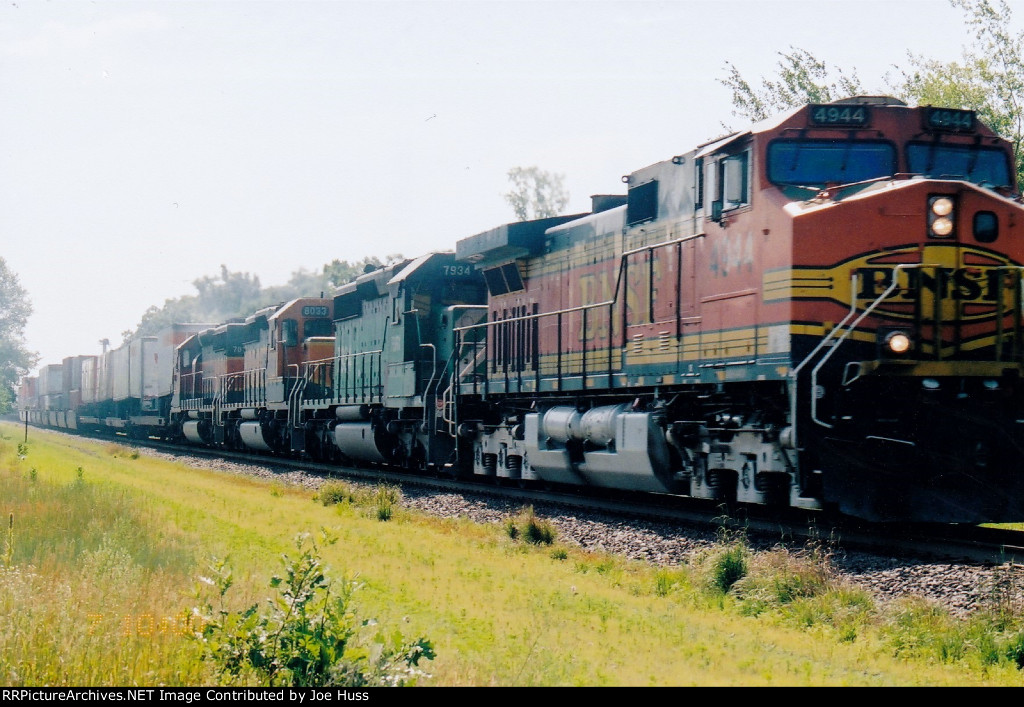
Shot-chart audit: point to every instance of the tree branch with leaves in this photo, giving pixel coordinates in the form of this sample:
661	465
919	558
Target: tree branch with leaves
989	79
800	77
15	359
536	193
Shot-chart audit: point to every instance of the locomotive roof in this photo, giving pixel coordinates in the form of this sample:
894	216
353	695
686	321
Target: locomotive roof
775	121
413	266
373	283
508	241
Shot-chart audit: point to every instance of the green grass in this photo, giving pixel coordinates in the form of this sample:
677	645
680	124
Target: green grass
103	564
92	593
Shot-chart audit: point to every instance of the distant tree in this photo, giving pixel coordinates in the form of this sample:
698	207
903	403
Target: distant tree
217	298
229	293
989	79
237	294
536	193
800	78
180	310
338	272
15	358
306	283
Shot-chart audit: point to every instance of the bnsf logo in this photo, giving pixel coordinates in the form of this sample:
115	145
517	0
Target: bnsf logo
963	284
970	294
968	283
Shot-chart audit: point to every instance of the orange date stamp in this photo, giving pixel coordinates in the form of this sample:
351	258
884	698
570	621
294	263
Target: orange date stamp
146	624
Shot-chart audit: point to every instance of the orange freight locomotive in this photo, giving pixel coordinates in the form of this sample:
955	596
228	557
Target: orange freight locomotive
822	311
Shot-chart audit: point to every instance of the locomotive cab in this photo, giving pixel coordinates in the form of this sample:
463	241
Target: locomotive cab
906	284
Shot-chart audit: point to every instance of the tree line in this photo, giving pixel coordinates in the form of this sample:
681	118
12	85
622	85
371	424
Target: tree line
230	294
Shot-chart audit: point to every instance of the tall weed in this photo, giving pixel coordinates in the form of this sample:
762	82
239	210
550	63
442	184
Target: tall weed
527	526
386	497
381	501
726	563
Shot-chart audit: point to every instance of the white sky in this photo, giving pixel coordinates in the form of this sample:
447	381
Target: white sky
145	143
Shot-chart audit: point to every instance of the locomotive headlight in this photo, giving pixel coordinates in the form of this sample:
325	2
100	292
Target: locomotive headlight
941	216
942	226
942	206
897	342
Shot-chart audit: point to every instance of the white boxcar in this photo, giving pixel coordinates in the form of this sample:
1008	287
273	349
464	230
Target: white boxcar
90	379
51	385
143	368
120	372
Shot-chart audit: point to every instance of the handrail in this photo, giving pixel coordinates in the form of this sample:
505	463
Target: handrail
584	373
613	300
251	383
433	373
795	372
867	310
371	385
294	396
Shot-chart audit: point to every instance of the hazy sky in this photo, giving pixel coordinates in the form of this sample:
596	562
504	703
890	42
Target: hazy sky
143	144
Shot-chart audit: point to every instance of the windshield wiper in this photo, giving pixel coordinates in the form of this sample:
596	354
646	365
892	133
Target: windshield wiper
800	186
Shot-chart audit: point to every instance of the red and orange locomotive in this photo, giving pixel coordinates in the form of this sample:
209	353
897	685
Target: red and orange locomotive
823	310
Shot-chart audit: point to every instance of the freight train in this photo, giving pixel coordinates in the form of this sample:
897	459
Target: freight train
823	311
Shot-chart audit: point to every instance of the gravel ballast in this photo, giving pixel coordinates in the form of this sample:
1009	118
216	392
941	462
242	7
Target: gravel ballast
961	588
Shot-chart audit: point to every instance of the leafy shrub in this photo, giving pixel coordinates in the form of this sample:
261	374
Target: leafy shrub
511	528
306	636
1014	649
729	565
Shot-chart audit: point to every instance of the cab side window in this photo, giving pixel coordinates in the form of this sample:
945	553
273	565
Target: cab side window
732	184
698	180
290	332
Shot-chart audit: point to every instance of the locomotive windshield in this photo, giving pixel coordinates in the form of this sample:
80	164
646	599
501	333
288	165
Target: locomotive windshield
319	327
981	165
815	163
